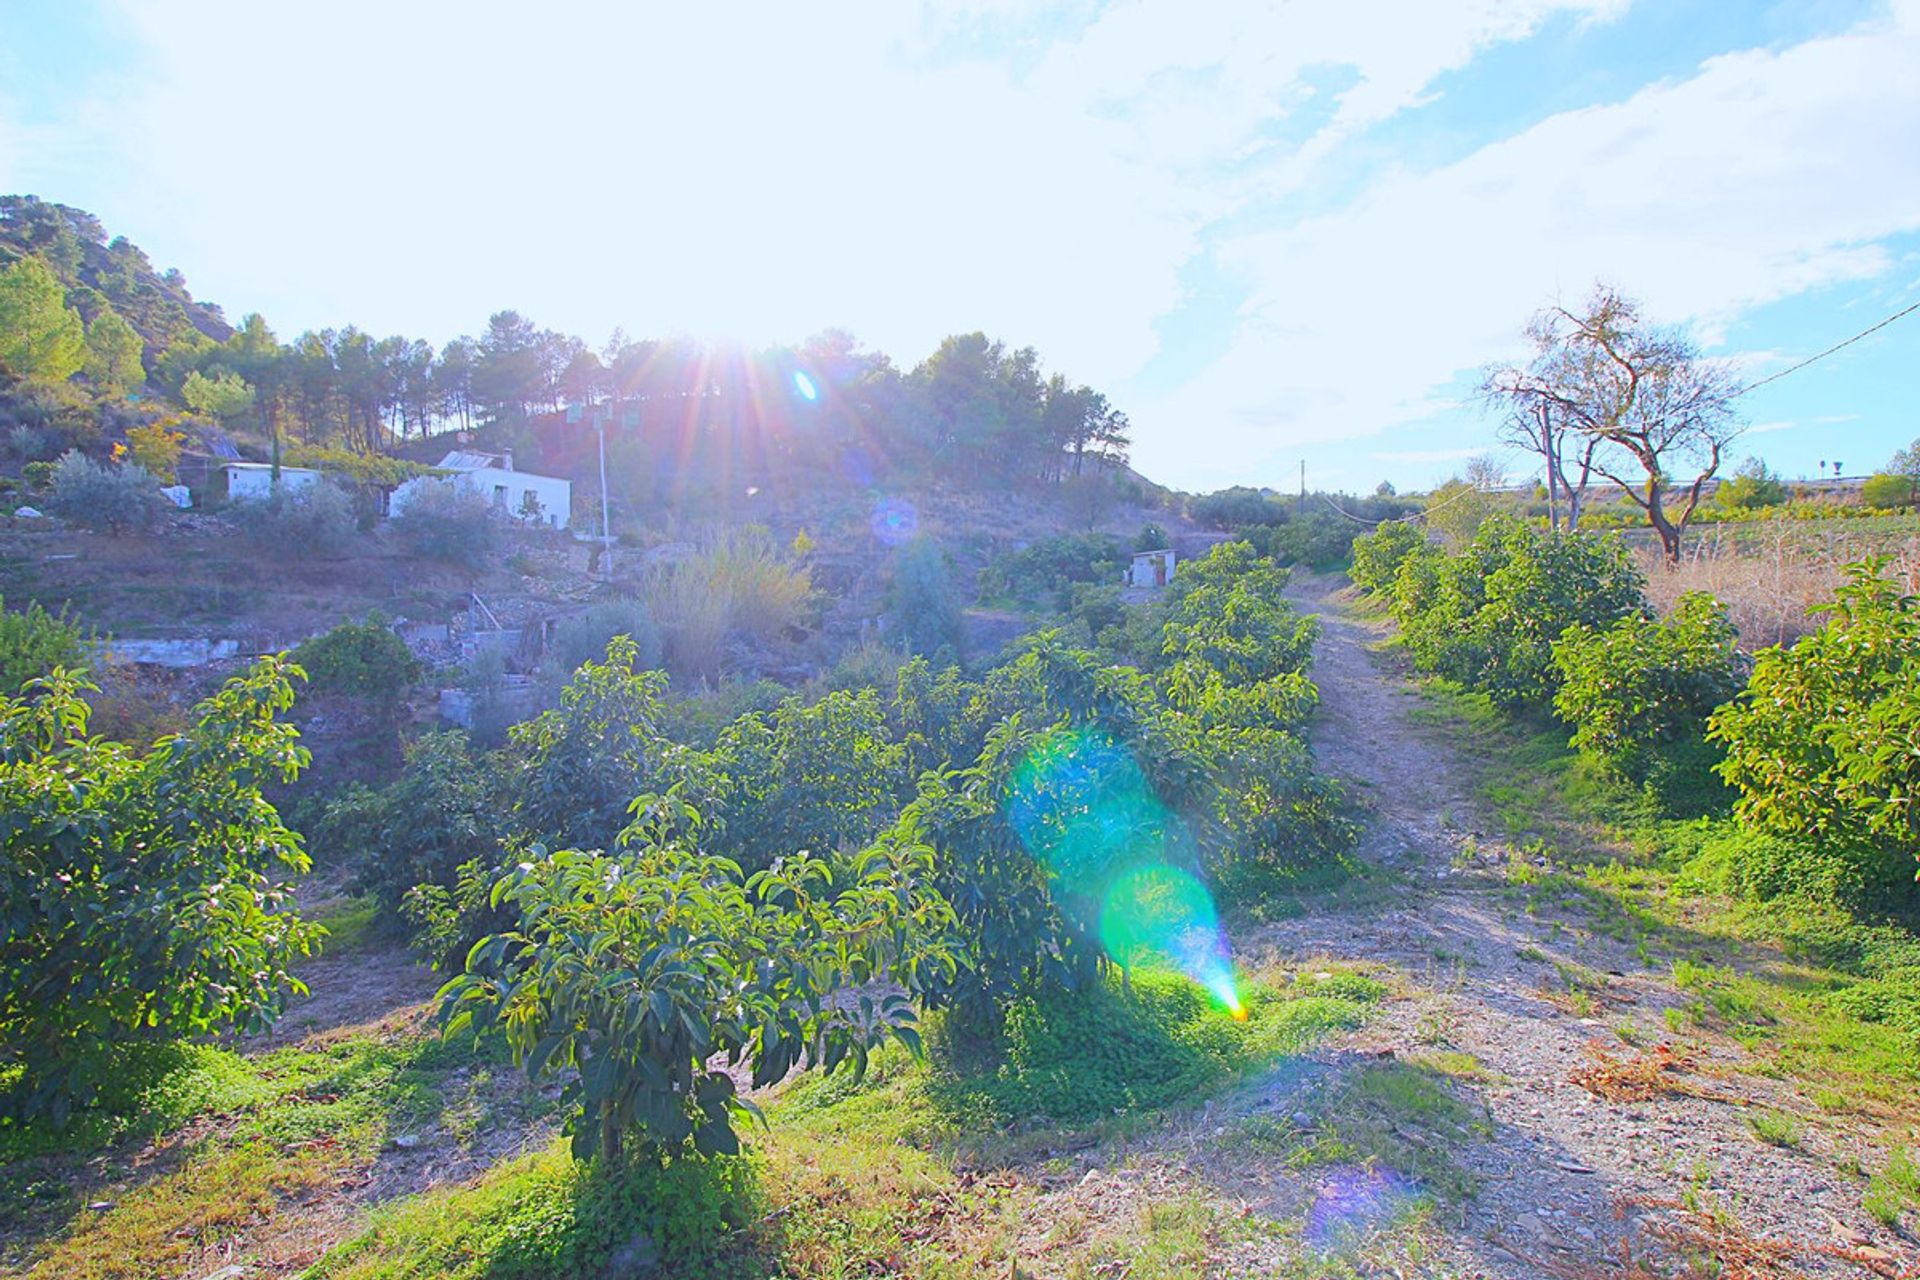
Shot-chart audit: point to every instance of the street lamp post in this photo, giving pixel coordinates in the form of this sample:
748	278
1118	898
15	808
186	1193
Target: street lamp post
606	538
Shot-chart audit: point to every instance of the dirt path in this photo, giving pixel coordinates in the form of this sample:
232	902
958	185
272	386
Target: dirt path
1488	995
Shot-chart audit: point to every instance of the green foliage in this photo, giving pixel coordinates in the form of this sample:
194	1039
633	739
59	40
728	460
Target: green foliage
1638	694
442	521
1754	865
544	1217
1237	508
1226	614
104	496
442	811
114	349
307	520
226	396
1488	615
584	636
922	607
41	338
1751	486
1889	492
929	715
574	769
136	889
1377	556
1321	539
33	642
361	660
819	777
637	971
1820	748
1046	570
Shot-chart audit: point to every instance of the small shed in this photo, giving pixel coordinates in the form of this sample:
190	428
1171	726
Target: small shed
1151	568
252	480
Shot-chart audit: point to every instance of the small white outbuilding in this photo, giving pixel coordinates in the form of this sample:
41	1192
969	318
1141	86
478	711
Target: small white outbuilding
1151	568
521	495
250	480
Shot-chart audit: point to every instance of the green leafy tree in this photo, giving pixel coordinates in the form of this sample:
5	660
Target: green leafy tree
1822	747
820	777
575	769
114	352
41	338
1637	694
361	660
442	521
1751	486
1888	491
33	642
632	974
138	890
226	396
1377	556
1227	615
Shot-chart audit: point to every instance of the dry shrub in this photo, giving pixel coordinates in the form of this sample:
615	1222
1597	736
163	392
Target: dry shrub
1769	576
739	583
1641	1078
1705	1242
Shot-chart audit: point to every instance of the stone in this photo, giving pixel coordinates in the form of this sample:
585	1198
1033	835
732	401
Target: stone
29	513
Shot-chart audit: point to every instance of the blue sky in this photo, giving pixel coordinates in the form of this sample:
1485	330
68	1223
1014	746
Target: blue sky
1270	232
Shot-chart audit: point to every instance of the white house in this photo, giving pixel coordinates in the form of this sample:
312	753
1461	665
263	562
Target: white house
522	495
1151	568
255	479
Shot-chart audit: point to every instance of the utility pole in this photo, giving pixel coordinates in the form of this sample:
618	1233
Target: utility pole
1303	486
606	538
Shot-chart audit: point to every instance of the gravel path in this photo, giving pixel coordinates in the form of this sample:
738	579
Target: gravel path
1559	1163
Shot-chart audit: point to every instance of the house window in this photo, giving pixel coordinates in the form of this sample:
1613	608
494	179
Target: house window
500	496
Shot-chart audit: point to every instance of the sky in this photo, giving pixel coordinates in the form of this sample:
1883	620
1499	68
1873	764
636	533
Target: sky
1271	233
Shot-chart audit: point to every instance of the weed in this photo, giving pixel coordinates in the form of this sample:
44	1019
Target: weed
1775	1128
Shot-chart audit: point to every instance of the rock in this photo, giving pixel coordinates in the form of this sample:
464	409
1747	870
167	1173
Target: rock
1301	1120
29	513
100	1206
404	1141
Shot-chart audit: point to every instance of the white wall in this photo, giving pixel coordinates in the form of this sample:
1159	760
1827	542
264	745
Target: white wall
506	489
251	482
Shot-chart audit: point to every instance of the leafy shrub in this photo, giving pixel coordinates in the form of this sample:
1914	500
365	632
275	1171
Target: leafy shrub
102	496
37	476
1321	539
1226	614
1638	694
921	605
574	770
638	971
1487	616
33	642
1045	571
1377	556
1819	747
443	810
135	888
156	447
818	778
1888	492
1236	508
361	660
1751	487
293	521
442	521
1755	865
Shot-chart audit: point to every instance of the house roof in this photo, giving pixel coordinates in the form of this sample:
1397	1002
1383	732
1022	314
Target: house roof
268	466
470	460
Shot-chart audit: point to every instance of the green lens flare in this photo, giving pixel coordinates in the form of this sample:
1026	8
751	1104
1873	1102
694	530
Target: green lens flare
1160	917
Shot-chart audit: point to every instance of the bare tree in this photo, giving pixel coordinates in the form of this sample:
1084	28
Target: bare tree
1534	419
1621	396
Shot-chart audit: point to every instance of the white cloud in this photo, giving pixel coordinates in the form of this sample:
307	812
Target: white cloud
1766	174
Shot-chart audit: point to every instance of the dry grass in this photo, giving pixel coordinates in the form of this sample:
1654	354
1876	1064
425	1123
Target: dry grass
1659	1072
1708	1243
1769	576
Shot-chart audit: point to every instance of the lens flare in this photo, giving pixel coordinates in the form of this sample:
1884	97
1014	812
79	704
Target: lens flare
1084	809
1354	1201
804	386
894	521
1160	917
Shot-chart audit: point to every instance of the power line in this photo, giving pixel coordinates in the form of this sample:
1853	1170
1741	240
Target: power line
1752	386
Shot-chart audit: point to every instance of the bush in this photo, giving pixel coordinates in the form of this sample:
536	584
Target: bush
1045	571
113	498
1487	616
442	521
640	971
1755	865
294	521
584	637
1226	614
1638	695
1888	492
820	778
361	660
156	447
1377	556
740	585
34	642
921	606
1819	747
1751	487
1236	508
136	888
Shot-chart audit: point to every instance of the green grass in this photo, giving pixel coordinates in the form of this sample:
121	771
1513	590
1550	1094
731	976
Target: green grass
243	1135
1775	1128
1894	1189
